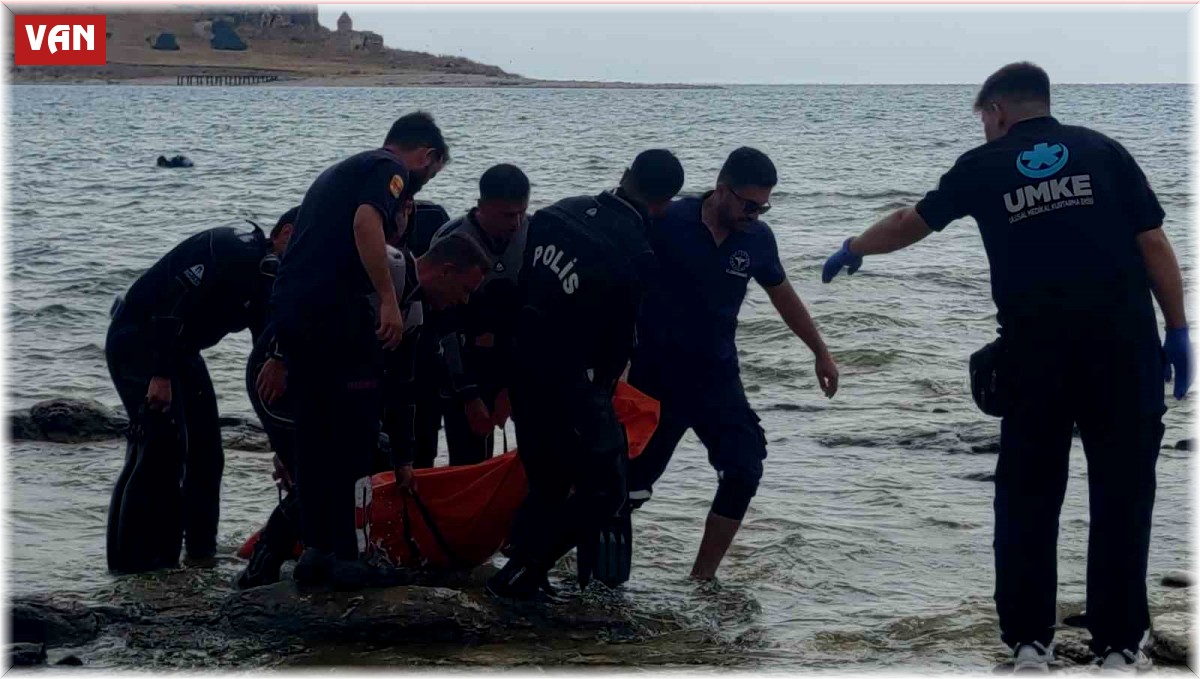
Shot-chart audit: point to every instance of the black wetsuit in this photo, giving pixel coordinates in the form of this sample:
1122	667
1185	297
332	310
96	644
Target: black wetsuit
585	266
326	330
475	339
208	286
1059	209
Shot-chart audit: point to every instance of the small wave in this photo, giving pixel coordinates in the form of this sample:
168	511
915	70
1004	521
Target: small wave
792	408
893	195
50	312
986	477
869	358
938	387
860	320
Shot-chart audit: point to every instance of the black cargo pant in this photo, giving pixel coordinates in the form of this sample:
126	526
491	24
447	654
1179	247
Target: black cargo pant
201	460
282	531
575	456
1113	390
335	370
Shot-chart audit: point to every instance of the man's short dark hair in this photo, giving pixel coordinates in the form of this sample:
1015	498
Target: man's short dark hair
655	175
504	182
460	252
748	167
417	129
1021	82
288	217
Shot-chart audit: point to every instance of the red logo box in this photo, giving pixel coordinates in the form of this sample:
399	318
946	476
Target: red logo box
59	40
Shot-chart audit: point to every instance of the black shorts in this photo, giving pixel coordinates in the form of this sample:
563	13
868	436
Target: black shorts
723	421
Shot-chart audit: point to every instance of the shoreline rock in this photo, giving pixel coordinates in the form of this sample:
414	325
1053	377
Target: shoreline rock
70	420
67	420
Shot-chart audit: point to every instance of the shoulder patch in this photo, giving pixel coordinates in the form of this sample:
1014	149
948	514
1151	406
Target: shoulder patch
195	274
396	186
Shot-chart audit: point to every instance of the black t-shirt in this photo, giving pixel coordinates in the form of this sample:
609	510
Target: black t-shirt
1059	208
689	318
321	271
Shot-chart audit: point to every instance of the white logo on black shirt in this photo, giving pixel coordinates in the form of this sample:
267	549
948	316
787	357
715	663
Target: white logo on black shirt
739	263
551	257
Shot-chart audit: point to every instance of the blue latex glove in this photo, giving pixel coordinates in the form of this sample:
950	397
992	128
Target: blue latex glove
1179	356
841	258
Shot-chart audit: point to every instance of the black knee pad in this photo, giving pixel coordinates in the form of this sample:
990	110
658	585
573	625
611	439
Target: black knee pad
734	492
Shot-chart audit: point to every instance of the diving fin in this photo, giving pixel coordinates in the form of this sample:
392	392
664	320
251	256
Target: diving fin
616	550
608	556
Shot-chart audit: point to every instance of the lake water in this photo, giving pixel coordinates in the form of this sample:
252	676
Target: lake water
869	544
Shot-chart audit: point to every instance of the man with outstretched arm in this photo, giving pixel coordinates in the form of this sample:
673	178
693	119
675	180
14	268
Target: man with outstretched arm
1074	239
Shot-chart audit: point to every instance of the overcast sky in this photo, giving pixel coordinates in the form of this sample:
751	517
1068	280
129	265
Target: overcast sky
793	44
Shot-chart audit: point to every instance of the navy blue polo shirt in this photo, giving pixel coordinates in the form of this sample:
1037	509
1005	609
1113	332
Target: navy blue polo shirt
1059	209
688	318
321	271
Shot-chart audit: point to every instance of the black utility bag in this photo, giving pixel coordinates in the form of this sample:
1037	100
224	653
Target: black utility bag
991	378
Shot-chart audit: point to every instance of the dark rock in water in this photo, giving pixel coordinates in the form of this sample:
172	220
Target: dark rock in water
54	623
22	428
1074	652
244	436
1077	620
182	619
986	448
1185	444
1170	638
26	654
940	411
1177	579
71	660
174	161
420	613
67	420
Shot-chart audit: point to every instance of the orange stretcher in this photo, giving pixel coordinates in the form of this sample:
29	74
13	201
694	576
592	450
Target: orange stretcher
459	517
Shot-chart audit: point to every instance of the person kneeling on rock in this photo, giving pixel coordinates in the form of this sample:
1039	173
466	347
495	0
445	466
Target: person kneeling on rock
208	286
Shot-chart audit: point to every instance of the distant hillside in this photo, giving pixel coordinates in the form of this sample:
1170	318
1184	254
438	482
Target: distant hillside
289	42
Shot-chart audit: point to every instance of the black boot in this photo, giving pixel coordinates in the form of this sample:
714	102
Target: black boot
519	581
263	568
314	567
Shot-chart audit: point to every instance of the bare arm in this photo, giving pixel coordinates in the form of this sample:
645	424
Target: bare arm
793	312
1165	277
894	232
372	251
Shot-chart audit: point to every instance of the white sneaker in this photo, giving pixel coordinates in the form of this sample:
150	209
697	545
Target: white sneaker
1125	661
1031	658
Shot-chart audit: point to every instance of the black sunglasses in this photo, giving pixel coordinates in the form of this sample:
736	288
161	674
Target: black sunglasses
750	207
